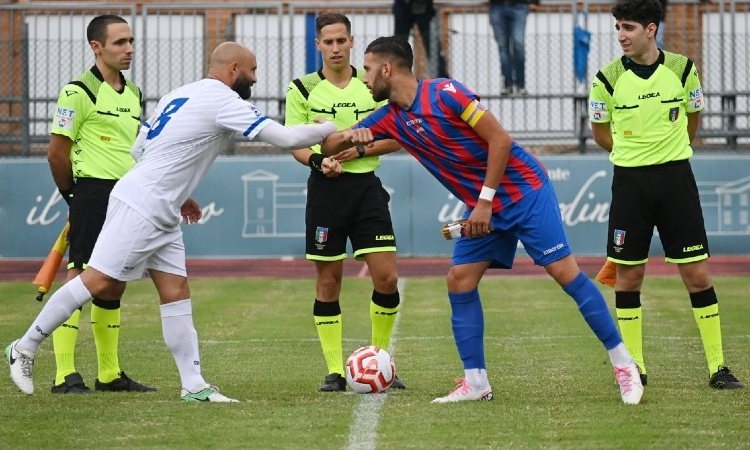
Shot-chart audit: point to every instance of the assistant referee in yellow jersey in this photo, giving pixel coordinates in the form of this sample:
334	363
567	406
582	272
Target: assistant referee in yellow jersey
94	127
644	109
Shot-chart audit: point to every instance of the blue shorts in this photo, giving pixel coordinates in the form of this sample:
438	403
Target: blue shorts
535	220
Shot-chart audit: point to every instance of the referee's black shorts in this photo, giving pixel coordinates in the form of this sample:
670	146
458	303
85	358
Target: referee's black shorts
664	196
88	209
352	206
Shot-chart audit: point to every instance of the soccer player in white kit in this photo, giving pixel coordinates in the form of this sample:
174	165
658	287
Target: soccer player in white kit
175	148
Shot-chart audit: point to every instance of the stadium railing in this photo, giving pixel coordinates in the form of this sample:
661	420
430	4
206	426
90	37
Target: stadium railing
42	47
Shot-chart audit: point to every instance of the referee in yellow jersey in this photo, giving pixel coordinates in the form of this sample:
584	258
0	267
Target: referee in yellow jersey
644	109
94	127
352	206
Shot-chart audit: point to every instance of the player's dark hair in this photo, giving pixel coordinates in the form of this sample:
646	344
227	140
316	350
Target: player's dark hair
641	11
394	47
330	18
97	29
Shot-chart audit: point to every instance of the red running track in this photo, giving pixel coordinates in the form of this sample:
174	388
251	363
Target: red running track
19	270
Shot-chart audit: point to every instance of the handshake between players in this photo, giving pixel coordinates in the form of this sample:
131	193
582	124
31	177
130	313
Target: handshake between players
342	146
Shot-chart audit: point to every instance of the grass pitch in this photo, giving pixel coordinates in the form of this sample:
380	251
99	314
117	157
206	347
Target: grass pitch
551	378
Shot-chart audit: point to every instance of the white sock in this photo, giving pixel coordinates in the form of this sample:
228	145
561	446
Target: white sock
477	378
619	355
182	340
71	296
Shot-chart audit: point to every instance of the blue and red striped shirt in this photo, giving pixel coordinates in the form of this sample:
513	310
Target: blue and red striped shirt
433	131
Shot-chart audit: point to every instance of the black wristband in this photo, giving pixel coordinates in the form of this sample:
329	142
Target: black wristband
66	195
361	151
316	161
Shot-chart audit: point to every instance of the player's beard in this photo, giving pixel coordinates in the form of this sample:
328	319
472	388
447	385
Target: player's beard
242	86
380	91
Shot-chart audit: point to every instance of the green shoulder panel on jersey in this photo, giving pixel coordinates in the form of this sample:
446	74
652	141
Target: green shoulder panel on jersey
135	89
307	83
679	64
91	84
610	73
359	74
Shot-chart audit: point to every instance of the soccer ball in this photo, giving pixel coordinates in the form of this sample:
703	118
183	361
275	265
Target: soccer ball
370	370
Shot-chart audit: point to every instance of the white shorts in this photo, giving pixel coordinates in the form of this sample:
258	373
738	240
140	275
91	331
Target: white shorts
129	244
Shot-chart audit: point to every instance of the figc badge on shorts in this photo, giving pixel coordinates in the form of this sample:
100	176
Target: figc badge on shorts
619	237
321	234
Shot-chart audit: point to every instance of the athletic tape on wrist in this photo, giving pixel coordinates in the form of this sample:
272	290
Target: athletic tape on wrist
487	193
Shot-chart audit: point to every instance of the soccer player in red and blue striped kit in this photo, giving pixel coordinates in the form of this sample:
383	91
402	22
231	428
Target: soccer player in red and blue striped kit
508	197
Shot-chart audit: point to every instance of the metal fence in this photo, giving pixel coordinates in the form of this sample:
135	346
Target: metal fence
42	46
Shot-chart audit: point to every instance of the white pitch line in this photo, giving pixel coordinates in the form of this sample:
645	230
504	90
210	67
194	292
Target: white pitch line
363	431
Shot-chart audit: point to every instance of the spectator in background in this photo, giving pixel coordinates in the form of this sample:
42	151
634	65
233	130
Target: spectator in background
508	20
406	14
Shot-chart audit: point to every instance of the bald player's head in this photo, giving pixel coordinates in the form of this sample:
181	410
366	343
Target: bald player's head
234	65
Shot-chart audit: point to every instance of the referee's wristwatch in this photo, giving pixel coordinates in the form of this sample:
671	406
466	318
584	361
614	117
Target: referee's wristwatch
361	151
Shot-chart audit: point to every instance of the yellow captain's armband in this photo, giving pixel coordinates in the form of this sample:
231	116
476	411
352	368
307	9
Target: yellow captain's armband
473	112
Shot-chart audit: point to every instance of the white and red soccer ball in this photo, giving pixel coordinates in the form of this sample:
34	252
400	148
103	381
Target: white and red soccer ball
370	369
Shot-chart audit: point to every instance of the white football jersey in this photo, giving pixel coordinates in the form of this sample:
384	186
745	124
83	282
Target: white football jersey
190	127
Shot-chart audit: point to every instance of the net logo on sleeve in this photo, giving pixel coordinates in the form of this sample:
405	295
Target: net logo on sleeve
64	118
696	98
598	111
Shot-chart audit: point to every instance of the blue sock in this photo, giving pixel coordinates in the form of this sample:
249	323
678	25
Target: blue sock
467	319
594	310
